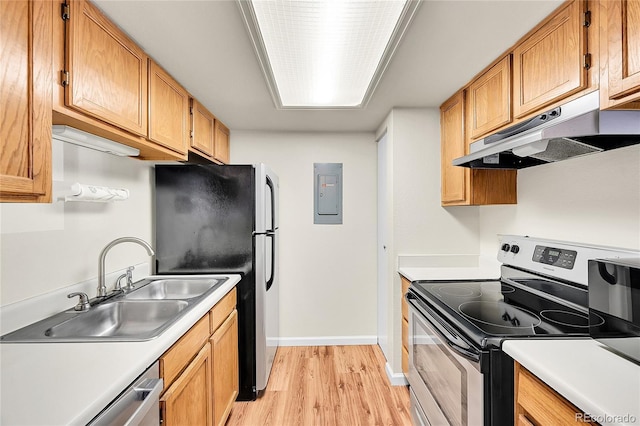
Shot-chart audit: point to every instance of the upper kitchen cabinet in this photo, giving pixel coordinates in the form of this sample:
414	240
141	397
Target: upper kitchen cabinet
209	137
107	72
620	53
25	100
105	84
489	99
221	149
168	110
552	62
454	179
461	186
203	129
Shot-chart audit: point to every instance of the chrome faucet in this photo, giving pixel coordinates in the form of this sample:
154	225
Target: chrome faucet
102	287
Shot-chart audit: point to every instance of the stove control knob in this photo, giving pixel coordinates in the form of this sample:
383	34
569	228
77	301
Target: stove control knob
506	247
515	249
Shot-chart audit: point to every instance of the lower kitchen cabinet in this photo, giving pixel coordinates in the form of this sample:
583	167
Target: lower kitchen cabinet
405	325
538	404
200	371
188	401
224	351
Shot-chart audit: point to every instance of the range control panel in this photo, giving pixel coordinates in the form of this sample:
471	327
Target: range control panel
557	259
555	256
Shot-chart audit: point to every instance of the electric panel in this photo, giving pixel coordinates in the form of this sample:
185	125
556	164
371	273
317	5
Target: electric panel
327	200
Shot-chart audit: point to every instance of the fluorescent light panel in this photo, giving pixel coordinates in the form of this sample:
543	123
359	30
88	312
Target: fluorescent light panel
326	53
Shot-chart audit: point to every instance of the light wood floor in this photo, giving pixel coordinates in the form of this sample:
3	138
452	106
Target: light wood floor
326	385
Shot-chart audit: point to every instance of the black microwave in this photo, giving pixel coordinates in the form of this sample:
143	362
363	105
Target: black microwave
614	304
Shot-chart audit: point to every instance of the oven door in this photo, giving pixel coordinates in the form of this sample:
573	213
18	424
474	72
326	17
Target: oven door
444	370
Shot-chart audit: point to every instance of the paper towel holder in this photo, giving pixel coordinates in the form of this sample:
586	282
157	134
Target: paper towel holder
94	193
78	137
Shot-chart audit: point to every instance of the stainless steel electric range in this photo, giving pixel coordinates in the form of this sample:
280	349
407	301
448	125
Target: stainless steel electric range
458	373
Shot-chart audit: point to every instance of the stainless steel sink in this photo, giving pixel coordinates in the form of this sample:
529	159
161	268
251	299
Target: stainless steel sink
142	314
114	320
138	319
186	288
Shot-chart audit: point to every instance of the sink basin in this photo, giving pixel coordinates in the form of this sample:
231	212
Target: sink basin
117	320
184	288
139	319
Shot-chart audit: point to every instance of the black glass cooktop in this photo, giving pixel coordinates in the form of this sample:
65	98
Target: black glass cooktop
495	308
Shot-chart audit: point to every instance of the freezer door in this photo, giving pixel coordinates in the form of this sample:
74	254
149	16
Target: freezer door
267	193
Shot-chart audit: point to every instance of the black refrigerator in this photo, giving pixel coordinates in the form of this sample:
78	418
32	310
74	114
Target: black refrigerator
212	219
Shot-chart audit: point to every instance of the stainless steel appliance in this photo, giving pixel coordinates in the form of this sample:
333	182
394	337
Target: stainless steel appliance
137	405
458	374
614	294
573	129
213	219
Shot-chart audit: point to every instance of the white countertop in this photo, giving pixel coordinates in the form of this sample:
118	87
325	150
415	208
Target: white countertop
585	372
70	383
450	267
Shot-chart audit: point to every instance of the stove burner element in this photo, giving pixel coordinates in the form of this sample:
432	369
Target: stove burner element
505	289
570	319
499	314
458	290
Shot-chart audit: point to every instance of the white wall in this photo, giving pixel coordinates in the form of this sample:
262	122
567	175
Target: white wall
50	246
418	224
592	199
327	272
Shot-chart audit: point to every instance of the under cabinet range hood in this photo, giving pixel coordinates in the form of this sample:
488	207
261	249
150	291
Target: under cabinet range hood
573	129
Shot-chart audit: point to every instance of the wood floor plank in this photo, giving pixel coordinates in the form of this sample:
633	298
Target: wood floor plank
327	386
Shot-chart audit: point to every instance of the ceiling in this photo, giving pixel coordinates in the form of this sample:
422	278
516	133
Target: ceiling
204	44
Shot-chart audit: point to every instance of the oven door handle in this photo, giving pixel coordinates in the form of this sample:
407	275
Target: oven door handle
454	341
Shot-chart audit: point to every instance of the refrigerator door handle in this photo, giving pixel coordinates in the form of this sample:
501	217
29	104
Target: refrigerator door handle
272	236
271	226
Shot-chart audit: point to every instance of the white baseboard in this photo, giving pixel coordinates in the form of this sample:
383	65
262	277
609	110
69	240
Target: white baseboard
327	341
396	379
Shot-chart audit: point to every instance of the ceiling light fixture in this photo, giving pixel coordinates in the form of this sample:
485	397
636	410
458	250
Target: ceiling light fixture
325	53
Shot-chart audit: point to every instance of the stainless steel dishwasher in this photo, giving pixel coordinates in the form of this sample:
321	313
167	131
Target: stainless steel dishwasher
137	405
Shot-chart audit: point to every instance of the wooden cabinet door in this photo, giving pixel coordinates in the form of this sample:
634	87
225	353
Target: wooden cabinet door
622	47
108	71
489	98
549	65
203	129
454	179
405	325
26	51
188	400
221	150
168	110
224	349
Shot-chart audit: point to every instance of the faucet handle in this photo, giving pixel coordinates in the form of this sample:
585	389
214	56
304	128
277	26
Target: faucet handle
129	275
118	286
83	302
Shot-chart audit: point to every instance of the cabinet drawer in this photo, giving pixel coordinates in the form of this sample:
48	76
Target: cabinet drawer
222	310
542	405
174	360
